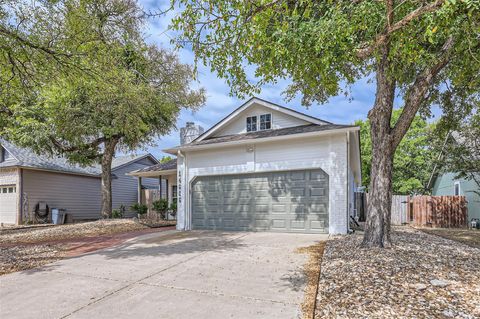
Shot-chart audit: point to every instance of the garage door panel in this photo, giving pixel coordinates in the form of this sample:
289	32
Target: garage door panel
294	201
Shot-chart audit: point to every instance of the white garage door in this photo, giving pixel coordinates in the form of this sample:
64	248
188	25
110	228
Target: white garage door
8	204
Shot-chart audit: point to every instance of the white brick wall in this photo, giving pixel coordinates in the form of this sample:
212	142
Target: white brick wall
328	152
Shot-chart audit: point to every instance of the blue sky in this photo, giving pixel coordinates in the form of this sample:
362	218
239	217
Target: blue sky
340	109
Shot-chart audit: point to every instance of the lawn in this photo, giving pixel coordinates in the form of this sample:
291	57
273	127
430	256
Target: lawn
24	248
467	236
422	276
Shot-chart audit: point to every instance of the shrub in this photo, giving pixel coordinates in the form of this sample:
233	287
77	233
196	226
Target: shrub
173	208
116	213
161	207
140	209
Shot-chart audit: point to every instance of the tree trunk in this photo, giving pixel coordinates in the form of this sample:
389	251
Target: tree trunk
106	163
377	227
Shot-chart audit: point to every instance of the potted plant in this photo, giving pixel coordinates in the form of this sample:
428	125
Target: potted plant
161	207
140	209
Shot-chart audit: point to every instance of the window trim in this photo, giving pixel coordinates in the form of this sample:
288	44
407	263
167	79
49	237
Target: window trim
455	185
256	123
270	122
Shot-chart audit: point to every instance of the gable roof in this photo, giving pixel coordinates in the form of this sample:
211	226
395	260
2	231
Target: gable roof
256	100
245	138
25	157
271	133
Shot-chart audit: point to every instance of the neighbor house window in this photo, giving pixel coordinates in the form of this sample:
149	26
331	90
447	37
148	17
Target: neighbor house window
456	188
251	124
265	121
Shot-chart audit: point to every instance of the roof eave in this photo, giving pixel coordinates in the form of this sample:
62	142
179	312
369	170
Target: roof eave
175	150
153	173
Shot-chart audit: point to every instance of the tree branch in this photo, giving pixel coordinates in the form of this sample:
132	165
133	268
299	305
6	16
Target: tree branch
32	45
95	143
365	52
416	93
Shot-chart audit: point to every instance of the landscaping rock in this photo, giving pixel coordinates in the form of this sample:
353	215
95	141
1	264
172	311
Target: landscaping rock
397	282
438	283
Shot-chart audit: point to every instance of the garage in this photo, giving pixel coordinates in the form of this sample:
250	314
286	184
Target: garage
287	201
8	204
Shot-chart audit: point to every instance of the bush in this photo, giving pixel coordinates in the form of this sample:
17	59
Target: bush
173	208
120	212
161	207
140	209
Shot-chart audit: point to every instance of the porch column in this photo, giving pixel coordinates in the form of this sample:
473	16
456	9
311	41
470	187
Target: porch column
160	185
166	186
139	190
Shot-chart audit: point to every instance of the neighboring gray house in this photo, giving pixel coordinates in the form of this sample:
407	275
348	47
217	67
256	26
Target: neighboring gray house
27	179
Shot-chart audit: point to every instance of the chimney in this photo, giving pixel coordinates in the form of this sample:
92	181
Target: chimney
190	132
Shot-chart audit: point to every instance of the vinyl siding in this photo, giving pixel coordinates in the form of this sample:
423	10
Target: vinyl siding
328	152
125	187
444	185
279	120
79	195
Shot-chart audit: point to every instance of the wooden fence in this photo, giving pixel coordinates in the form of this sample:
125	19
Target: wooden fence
399	208
439	211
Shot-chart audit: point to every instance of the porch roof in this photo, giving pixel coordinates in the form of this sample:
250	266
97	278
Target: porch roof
161	169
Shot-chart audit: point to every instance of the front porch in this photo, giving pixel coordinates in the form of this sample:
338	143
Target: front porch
166	173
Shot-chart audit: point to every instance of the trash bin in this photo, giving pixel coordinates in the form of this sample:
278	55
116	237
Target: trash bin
58	216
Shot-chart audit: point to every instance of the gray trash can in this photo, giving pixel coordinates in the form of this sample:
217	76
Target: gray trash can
58	216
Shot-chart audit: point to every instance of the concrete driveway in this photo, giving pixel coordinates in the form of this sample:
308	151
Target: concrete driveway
168	275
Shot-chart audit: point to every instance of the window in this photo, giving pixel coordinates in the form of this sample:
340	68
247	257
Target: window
265	121
456	188
251	124
8	189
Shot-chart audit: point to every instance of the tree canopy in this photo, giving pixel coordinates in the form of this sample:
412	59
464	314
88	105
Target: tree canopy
121	95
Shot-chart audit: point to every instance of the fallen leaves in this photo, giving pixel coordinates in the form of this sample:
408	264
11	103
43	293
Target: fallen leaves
421	276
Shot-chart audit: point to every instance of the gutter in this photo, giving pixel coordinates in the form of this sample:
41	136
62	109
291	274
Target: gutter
174	150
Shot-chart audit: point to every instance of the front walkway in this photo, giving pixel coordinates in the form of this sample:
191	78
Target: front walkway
168	275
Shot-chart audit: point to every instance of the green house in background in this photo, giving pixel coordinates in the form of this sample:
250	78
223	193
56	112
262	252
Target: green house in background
445	184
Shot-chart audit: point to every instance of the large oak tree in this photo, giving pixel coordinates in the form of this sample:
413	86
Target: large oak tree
119	95
420	52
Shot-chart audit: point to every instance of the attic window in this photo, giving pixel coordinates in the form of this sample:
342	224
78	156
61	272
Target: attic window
456	187
251	124
265	122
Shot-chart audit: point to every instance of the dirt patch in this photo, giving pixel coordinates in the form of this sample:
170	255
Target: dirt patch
39	235
466	236
312	271
421	276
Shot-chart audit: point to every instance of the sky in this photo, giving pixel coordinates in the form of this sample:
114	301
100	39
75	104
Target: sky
219	103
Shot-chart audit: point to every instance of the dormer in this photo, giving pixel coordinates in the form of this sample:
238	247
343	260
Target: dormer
258	115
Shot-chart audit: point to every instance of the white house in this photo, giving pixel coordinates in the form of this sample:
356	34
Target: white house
264	167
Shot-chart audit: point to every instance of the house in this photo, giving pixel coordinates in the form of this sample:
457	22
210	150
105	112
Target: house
27	179
264	167
444	183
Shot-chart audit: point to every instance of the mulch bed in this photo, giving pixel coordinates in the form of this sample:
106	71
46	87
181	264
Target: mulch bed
421	276
31	247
